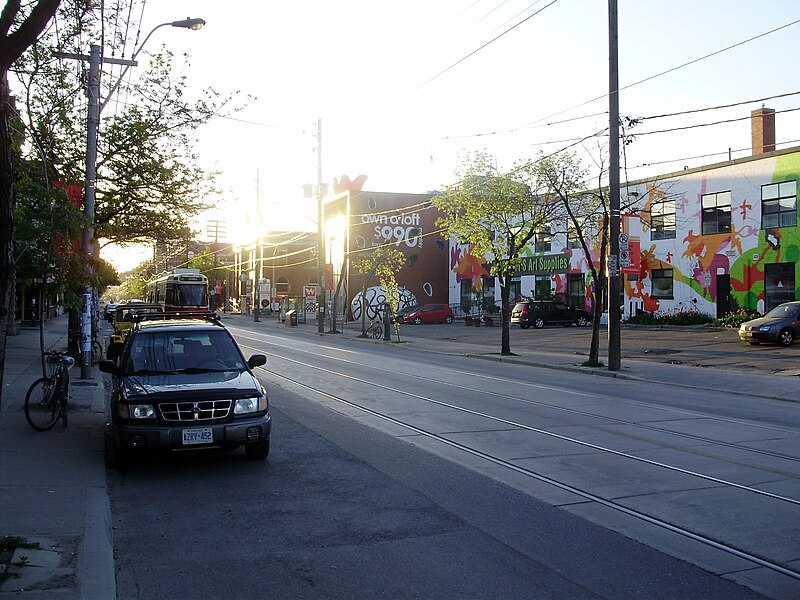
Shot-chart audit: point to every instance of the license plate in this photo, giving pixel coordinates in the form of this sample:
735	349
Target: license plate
197	436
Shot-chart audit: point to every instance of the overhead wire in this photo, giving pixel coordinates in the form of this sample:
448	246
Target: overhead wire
474	52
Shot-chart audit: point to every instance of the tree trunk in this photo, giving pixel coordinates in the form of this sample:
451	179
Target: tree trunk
7	271
505	300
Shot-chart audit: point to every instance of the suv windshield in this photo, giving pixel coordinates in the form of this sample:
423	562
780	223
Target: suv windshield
160	352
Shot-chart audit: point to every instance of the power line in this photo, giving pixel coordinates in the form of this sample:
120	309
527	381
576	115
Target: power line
494	39
691	62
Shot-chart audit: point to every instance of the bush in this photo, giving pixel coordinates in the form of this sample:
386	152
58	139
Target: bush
735	319
680	318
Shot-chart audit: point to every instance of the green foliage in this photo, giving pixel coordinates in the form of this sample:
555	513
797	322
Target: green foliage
736	318
149	185
497	212
382	262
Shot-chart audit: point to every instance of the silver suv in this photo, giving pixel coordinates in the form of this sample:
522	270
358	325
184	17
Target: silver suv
181	384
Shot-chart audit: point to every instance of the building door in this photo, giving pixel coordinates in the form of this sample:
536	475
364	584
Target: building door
723	295
576	289
778	284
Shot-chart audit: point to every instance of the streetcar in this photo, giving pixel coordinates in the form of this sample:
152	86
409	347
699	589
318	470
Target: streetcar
180	290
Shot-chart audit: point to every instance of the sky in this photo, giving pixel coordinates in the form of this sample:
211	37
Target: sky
403	91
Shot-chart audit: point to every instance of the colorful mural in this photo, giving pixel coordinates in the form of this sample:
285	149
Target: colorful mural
739	263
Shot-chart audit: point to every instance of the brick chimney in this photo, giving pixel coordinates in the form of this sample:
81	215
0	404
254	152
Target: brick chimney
763	130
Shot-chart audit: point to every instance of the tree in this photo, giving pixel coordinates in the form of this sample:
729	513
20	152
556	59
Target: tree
499	213
19	28
381	262
564	177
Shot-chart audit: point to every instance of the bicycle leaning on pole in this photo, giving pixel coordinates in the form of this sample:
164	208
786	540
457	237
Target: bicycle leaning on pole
374	330
47	398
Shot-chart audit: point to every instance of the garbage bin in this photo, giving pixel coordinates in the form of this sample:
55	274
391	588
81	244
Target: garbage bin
291	317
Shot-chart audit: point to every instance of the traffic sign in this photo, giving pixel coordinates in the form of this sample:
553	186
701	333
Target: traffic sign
612	265
623	241
624	258
243	277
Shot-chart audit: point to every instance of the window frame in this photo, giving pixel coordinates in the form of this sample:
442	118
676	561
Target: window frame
660	291
790	213
715	219
660	226
542	241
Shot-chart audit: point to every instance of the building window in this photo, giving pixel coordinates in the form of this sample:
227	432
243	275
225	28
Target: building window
716	216
573	241
488	293
282	285
779	205
662	283
542	290
662	220
542	241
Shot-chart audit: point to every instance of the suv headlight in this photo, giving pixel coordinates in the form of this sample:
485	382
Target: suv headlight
244	406
136	411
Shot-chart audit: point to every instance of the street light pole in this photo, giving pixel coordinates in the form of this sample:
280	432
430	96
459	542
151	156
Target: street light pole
193	24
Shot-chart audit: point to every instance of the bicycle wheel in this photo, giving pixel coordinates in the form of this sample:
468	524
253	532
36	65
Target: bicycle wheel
42	404
376	332
97	352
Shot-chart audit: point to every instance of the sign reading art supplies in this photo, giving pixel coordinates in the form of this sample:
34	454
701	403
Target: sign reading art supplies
543	265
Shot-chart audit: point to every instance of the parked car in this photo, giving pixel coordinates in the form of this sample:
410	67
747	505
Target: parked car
182	384
538	313
401	314
124	317
429	313
781	326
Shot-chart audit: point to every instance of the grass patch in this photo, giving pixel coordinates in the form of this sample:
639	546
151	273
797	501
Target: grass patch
592	363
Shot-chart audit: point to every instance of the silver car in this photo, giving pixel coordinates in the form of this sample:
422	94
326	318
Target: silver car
781	326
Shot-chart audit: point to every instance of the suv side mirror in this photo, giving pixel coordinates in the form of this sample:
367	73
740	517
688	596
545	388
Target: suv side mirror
108	366
256	360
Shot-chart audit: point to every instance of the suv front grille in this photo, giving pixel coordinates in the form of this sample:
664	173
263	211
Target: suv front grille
205	410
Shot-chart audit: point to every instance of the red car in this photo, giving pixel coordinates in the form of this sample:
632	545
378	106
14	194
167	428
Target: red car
429	313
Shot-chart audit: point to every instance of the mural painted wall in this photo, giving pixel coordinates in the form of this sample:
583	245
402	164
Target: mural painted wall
713	239
406	222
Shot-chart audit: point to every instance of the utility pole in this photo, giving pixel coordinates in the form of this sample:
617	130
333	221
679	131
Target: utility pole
320	237
257	287
87	236
614	283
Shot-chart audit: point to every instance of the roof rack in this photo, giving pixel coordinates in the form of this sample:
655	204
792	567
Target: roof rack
205	315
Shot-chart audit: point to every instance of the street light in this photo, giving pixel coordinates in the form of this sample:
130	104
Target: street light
193	24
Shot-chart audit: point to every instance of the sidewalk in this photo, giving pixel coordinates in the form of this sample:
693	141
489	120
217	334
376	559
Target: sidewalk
53	484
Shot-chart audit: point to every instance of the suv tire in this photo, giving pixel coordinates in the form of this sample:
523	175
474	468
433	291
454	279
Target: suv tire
581	321
116	457
538	322
257	450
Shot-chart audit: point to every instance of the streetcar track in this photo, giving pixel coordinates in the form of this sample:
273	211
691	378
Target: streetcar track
748	556
611	420
539	431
